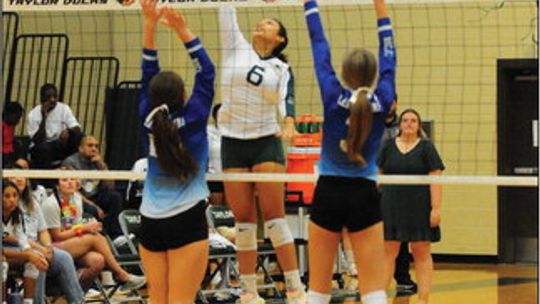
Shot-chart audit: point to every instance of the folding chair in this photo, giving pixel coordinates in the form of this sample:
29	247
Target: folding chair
221	253
221	215
127	255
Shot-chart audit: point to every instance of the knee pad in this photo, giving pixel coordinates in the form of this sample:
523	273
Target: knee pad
279	232
5	268
246	236
30	271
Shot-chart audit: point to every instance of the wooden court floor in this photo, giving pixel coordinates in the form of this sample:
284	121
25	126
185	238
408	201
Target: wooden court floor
480	284
461	283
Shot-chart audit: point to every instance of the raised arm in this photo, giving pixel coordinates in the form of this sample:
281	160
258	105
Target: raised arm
380	9
150	64
328	82
198	107
386	87
287	106
229	32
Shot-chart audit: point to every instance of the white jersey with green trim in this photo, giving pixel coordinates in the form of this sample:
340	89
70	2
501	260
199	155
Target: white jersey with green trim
253	89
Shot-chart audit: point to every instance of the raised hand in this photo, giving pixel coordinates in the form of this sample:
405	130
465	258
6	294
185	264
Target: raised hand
151	18
176	21
173	19
151	12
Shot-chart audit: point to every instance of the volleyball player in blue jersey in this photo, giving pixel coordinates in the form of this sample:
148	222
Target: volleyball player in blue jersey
174	232
346	193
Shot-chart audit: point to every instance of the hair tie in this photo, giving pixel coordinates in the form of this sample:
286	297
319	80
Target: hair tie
355	93
150	118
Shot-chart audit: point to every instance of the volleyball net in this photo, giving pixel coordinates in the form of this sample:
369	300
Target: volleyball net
447	52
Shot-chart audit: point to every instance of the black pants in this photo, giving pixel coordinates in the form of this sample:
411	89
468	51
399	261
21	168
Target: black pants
112	204
401	273
46	155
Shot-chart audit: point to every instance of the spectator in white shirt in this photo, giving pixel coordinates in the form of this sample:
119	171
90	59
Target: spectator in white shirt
53	129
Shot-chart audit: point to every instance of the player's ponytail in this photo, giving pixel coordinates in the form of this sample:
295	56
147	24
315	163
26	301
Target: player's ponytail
359	70
166	92
278	50
360	119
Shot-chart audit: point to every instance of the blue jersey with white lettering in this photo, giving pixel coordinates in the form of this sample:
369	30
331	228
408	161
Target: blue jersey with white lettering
336	100
165	195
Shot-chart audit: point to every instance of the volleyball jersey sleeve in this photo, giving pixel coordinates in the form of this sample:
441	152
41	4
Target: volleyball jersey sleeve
229	32
286	106
386	87
431	157
150	67
330	87
200	102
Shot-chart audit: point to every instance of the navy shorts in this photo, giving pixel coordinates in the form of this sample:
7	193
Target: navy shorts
174	232
345	202
246	153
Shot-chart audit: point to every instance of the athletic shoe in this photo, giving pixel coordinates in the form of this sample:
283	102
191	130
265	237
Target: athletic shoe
250	298
92	294
122	240
296	296
134	283
352	284
407	287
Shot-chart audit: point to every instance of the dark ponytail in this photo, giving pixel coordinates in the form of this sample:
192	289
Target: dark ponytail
359	69
359	128
277	51
173	158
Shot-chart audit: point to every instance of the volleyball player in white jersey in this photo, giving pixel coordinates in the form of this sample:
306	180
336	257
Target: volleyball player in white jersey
256	84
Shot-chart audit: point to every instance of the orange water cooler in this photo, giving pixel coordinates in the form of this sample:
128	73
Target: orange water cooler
303	156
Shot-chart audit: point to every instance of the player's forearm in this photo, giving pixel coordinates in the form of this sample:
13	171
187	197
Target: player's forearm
149	38
380	9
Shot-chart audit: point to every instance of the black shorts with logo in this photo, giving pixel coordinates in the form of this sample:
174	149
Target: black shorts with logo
345	202
174	232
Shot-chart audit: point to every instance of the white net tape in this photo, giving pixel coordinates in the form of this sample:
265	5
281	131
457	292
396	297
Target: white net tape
273	177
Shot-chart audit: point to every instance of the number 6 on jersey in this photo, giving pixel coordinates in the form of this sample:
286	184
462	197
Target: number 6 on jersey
255	75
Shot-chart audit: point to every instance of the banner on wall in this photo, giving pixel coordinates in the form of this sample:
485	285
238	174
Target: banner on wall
108	5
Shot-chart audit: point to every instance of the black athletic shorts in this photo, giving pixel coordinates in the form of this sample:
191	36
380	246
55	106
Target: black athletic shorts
216	187
246	153
174	232
338	202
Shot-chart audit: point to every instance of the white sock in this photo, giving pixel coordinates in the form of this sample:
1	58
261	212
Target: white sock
349	255
292	280
28	301
375	297
314	297
249	282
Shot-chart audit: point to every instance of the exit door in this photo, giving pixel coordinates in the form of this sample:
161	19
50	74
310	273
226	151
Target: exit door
517	126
